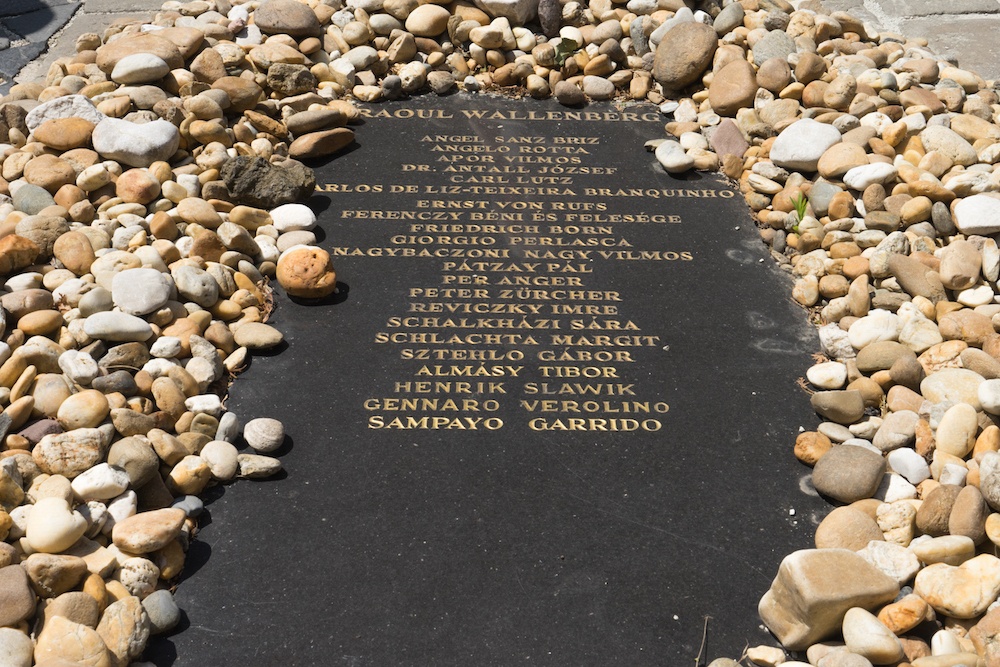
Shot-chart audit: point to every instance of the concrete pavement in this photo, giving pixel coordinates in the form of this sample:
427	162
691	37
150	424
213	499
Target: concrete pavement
33	33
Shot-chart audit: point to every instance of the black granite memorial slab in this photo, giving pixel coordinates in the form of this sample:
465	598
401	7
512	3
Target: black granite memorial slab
547	420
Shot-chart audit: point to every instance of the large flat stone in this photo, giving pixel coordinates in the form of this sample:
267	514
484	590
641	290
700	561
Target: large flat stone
446	546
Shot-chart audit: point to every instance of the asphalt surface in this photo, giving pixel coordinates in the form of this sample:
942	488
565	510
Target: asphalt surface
33	33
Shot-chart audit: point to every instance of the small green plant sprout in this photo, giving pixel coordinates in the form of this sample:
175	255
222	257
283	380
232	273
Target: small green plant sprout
800	203
564	49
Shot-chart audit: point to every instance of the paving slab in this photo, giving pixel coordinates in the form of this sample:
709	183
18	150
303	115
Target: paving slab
19	7
121	6
970	41
399	543
40	25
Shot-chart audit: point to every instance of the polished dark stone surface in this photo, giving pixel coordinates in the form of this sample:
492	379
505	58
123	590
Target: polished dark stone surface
514	546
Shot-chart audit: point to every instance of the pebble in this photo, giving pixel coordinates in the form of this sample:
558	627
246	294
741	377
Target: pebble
847	473
801	145
866	636
963	591
264	434
16	594
16	648
140	68
133	144
162	610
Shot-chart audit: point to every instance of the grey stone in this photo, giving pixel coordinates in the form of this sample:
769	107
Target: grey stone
254	181
31	199
163	612
847	473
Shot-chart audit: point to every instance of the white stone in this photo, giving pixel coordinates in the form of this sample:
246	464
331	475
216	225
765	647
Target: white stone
139	68
835	342
79	366
671	156
919	333
52	526
859	178
894	560
828	375
197	285
16	648
975	296
134	144
877	325
209	404
221	459
909	464
102	482
166	347
895	487
991	259
264	434
957	385
293	217
953	474
802	144
141	291
68	106
945	643
121	508
978	214
117	326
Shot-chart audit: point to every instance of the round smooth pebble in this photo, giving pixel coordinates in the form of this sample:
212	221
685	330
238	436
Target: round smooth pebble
264	434
293	217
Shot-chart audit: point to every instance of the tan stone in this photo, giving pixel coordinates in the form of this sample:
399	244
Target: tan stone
148	531
62	639
904	615
109	54
75	252
963	591
137	186
733	88
847	528
814	589
319	144
63	134
125	629
52	575
307	273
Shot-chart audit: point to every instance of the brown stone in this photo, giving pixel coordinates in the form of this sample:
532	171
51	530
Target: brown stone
774	75
733	88
109	54
319	144
934	513
243	94
16	252
811	446
684	54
